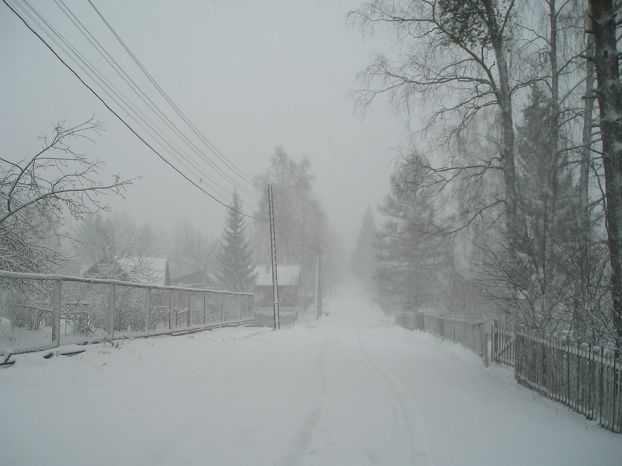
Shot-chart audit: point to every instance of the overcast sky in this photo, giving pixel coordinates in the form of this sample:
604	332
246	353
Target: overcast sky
251	75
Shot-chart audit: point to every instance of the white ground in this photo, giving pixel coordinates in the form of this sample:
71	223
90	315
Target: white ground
352	389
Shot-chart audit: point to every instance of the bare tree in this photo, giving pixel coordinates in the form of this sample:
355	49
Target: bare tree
302	228
193	248
37	192
101	240
455	48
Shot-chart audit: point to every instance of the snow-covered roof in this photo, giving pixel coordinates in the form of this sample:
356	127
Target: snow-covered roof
288	275
145	270
197	278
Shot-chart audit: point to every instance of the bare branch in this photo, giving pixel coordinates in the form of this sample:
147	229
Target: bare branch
37	192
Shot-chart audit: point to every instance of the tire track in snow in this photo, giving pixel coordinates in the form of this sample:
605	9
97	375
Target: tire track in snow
411	413
298	444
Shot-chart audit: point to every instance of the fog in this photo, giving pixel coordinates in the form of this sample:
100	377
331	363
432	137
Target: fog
287	232
251	76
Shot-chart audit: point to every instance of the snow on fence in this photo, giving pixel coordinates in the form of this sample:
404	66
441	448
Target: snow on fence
41	311
585	378
469	333
502	345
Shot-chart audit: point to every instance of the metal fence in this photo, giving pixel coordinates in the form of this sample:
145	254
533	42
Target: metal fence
40	311
587	379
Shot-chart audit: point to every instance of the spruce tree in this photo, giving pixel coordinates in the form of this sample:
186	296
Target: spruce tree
413	258
235	267
363	262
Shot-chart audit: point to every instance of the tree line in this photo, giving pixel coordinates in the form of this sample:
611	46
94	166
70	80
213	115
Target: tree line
513	190
54	218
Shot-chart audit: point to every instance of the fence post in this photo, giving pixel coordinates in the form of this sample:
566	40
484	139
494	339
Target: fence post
493	339
517	353
616	419
485	343
600	384
204	309
56	306
222	308
189	308
170	319
111	306
420	321
148	309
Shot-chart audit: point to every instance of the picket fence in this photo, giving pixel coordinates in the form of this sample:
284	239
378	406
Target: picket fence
585	378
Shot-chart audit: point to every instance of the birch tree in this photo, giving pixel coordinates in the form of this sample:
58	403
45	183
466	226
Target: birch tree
453	48
302	227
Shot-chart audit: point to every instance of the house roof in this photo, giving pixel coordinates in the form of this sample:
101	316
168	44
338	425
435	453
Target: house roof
288	275
196	277
145	270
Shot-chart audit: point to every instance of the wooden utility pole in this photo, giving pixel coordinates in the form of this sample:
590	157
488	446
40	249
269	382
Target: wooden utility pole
318	285
275	281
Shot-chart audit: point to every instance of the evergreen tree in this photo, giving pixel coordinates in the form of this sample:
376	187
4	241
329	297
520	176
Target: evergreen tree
546	210
235	268
363	262
414	257
536	290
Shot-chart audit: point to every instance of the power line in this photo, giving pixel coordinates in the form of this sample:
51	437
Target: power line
142	95
179	112
147	100
118	97
127	125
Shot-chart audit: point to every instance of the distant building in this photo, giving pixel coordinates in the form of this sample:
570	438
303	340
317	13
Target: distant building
289	294
144	270
197	279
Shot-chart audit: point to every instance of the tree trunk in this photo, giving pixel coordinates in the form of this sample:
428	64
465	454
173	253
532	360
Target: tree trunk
609	91
504	97
551	191
586	152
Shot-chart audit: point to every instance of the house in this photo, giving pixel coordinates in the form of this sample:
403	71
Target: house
128	310
289	294
197	279
144	270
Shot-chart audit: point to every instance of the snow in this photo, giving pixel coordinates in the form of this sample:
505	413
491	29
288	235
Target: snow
146	270
351	389
288	275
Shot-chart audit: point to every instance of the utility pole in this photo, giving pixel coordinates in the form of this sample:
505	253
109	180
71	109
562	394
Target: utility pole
275	281
318	285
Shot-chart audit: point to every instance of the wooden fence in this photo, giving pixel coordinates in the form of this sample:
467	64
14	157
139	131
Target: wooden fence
585	378
471	334
502	345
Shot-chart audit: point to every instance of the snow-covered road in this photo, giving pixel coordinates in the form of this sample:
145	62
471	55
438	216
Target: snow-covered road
351	389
